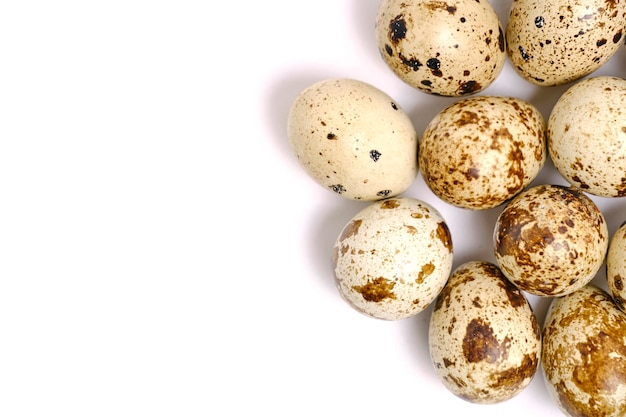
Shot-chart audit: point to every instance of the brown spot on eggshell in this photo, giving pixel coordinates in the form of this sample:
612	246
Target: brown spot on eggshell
480	344
443	234
377	290
351	229
390	204
434	5
467	117
619	284
584	356
513	378
426	270
472	173
601	355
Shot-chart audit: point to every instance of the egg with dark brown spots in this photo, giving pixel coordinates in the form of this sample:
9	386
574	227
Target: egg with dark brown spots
587	135
353	139
392	258
481	151
484	339
552	43
616	267
584	354
449	48
550	240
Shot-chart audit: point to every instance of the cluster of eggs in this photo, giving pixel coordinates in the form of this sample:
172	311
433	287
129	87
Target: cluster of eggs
394	258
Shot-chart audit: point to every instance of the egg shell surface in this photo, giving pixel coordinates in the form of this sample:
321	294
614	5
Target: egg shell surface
587	135
484	339
481	151
392	258
449	48
616	267
555	42
584	354
353	139
550	240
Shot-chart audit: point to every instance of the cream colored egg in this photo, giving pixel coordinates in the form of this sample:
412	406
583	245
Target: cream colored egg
587	136
450	48
616	267
552	43
393	258
353	139
584	354
481	151
550	240
484	340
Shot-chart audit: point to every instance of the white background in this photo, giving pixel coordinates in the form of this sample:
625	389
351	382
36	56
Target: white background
161	251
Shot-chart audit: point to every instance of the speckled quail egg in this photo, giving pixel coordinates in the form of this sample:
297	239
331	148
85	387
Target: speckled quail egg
555	42
393	258
584	354
587	135
353	139
616	267
550	240
484	340
449	48
481	151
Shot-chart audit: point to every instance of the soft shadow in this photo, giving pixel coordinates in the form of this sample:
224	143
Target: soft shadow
480	226
540	305
546	97
324	231
364	21
415	333
502	9
425	108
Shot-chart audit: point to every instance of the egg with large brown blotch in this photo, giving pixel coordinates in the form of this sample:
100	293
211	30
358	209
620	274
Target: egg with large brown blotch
484	339
552	43
449	48
392	258
353	139
481	151
616	267
550	240
587	135
584	354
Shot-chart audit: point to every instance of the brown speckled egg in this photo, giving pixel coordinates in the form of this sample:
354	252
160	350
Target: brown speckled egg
393	258
449	48
550	240
616	267
484	340
353	139
584	354
552	43
481	151
587	135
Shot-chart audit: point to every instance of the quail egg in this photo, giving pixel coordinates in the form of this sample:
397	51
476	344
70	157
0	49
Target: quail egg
587	136
449	48
555	42
353	139
393	258
550	240
481	151
484	340
584	354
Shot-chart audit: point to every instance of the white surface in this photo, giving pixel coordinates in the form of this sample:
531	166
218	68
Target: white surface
162	253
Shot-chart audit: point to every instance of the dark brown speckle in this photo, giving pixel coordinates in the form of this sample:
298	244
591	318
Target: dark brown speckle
376	290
